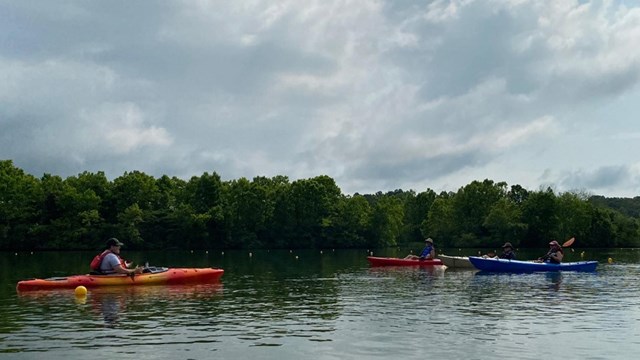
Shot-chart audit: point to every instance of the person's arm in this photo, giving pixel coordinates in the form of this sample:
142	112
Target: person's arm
545	257
121	270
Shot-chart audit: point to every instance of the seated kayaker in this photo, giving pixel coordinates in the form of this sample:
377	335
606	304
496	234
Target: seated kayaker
554	255
428	253
507	252
110	261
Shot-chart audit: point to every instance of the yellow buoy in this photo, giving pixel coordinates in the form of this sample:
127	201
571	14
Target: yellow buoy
80	291
610	260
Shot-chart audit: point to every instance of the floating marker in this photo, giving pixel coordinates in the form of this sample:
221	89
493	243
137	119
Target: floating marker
296	257
80	291
250	254
223	253
610	260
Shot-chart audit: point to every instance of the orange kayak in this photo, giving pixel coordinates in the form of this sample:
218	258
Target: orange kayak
382	261
158	276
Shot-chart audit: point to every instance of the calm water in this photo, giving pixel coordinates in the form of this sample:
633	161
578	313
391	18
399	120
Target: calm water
273	305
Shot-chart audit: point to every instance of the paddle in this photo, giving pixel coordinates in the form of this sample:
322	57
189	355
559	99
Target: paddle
569	242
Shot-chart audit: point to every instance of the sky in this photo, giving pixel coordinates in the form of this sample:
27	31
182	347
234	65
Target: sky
378	95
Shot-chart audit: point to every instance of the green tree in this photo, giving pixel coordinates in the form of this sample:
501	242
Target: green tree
386	221
20	198
540	215
504	223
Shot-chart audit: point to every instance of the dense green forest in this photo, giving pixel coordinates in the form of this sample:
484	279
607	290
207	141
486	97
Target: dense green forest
81	211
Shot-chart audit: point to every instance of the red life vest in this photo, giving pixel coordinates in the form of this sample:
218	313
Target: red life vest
97	260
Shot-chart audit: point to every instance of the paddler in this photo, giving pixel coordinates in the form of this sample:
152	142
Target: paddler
428	253
111	263
554	255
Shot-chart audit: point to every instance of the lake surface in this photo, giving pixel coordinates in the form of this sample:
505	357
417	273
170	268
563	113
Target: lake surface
330	305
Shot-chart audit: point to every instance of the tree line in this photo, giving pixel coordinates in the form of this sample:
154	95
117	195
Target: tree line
205	212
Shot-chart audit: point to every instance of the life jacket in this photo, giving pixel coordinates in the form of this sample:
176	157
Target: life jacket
551	252
97	260
426	251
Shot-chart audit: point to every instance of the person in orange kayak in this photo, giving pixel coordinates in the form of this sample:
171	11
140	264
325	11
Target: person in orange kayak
109	261
554	255
428	253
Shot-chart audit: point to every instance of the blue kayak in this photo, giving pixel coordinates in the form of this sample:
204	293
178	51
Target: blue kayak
517	266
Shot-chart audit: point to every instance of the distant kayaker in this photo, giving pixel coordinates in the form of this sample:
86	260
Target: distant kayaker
110	261
554	255
428	253
507	252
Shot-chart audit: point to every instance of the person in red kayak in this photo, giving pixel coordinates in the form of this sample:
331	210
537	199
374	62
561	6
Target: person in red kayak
428	253
554	255
110	261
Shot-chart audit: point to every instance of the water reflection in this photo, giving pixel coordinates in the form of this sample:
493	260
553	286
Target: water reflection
555	278
109	303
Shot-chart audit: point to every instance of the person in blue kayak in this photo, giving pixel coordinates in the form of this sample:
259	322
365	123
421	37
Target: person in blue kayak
428	253
110	262
554	255
507	252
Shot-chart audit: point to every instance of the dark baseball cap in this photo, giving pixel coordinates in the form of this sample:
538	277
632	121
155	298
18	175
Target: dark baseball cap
114	242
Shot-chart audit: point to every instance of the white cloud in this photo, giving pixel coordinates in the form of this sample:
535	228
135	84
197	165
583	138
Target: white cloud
377	94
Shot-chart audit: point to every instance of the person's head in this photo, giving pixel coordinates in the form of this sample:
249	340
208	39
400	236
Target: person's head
507	246
554	245
114	245
428	241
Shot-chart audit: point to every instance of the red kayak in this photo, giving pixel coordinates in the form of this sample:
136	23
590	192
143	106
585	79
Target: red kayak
382	261
157	276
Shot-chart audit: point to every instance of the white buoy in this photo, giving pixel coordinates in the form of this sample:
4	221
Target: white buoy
223	253
250	254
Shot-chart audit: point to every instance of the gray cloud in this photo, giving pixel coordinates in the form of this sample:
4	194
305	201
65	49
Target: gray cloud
379	95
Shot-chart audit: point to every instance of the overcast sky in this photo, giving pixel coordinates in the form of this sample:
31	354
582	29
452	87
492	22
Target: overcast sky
378	95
